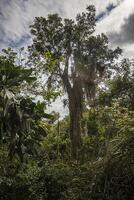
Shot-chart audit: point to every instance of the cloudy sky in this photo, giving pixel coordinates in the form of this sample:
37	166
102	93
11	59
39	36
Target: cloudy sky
115	18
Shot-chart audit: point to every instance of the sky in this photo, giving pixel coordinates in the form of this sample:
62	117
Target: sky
115	18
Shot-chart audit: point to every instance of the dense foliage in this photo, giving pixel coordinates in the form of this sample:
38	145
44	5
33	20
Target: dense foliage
36	161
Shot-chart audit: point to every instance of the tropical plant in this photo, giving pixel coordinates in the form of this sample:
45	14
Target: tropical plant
19	115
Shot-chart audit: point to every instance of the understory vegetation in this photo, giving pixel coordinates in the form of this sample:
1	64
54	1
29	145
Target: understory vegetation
87	155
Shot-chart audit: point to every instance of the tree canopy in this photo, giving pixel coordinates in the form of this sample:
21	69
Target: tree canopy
74	59
87	155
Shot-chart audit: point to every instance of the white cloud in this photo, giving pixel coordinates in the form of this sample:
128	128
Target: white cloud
71	8
114	21
113	24
18	14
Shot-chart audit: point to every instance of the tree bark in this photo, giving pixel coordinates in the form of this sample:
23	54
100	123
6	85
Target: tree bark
75	114
75	130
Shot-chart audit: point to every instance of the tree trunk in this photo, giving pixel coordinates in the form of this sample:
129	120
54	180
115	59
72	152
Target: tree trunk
75	96
75	130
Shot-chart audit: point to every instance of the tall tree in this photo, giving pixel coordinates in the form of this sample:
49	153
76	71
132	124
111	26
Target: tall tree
74	58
